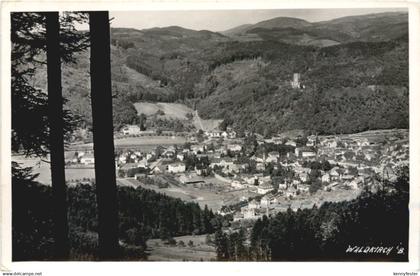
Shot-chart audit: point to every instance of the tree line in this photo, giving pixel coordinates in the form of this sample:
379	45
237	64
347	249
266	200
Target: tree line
143	214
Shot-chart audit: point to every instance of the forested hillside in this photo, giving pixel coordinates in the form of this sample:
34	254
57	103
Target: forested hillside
143	214
354	70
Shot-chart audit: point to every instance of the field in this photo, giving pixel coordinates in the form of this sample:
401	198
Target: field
44	171
197	251
171	110
214	197
176	111
142	143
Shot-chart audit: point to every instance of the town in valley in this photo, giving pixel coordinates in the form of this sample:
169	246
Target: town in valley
251	176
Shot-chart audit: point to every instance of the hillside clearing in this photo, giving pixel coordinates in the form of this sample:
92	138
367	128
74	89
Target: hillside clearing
171	110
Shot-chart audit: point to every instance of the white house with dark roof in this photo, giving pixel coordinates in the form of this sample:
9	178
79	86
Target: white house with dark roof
87	159
177	167
131	130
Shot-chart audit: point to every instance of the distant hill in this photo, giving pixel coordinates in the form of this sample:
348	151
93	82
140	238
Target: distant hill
369	28
243	74
236	30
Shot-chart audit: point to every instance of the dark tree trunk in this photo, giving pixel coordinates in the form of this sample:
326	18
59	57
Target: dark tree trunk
103	140
55	116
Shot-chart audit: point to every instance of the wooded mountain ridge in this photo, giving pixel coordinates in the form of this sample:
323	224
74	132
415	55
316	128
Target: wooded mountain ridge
354	70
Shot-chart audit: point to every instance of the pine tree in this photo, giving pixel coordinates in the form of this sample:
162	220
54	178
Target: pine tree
101	95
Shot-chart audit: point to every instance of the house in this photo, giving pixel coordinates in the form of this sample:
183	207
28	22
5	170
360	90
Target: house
234	147
308	154
264	188
249	213
231	133
224	134
177	167
142	163
332	143
326	178
254	204
273	156
158	169
304	177
283	186
140	176
336	173
356	183
87	159
224	162
303	187
201	171
150	155
131	169
236	216
180	156
268	200
131	130
214	134
304	152
260	167
197	149
295	83
291	143
290	193
347	176
251	180
331	187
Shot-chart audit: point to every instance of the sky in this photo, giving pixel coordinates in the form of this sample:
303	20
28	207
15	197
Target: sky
220	20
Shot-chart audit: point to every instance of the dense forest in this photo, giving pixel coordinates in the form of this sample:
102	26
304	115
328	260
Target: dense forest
348	88
143	214
372	220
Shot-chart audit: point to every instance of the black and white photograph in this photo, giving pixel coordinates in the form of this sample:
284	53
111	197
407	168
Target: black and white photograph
257	135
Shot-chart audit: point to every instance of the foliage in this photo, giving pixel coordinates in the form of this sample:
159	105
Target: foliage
30	132
325	233
143	214
124	113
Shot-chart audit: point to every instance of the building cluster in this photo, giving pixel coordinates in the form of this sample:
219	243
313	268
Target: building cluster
276	178
345	162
